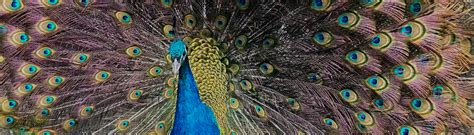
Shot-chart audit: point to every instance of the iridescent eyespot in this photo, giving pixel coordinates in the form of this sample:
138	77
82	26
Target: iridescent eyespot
361	128
86	111
381	41
190	21
269	43
44	52
123	17
168	92
241	42
160	128
415	7
246	85
122	125
80	58
7	121
421	106
320	5
233	103
167	3
133	51
413	30
29	70
357	58
19	38
314	77
47	132
51	3
220	22
84	3
242	4
407	130
25	89
155	71
3	29
42	114
260	111
348	20
172	82
405	72
55	81
331	123
266	69
365	118
47	101
134	95
11	5
382	105
323	38
69	124
376	83
9	105
169	32
293	104
102	76
437	90
348	95
46	26
370	3
234	69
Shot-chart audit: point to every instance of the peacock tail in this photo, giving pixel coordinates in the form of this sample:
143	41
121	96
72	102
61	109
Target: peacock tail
259	67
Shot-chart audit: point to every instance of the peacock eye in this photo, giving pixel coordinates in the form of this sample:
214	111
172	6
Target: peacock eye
233	103
220	22
190	21
168	92
361	128
80	58
407	130
357	58
46	26
331	123
12	5
266	68
241	42
320	5
86	111
29	70
155	71
47	101
47	132
172	82
9	105
260	111
370	3
348	20
122	125
19	38
102	76
242	4
42	114
376	83
415	7
421	106
413	30
160	128
268	43
381	41
3	29
44	52
294	105
123	17
50	3
84	3
69	124
133	51
7	120
55	81
365	118
405	72
167	3
323	38
169	32
25	89
348	95
314	77
246	85
382	105
437	90
134	95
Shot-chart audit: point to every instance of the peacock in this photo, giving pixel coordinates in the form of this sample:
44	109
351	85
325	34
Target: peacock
235	67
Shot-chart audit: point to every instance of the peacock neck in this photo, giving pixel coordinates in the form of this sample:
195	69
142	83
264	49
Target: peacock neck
191	116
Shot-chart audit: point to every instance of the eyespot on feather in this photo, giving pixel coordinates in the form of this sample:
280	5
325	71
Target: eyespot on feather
29	70
133	51
9	105
10	6
376	83
25	89
135	95
80	59
122	125
233	103
56	81
18	38
102	76
320	5
331	123
323	38
123	17
47	101
46	26
69	124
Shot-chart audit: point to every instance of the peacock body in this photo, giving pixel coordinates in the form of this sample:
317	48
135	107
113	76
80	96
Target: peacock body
236	67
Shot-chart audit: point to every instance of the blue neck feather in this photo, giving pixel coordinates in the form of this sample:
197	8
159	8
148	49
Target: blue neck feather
191	116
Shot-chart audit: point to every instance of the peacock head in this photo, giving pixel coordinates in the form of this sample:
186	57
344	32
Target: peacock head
178	53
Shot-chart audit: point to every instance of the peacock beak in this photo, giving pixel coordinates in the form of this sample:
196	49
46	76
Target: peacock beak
176	66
